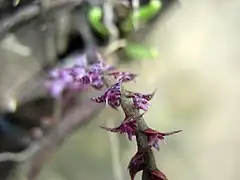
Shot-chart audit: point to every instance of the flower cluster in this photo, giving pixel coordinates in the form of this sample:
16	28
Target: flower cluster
123	76
141	101
128	126
81	76
113	96
77	77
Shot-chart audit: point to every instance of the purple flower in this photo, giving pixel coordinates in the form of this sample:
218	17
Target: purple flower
60	79
66	78
111	97
76	77
140	100
84	81
77	72
141	103
100	68
154	136
124	76
56	87
136	164
79	76
96	72
96	80
61	74
128	126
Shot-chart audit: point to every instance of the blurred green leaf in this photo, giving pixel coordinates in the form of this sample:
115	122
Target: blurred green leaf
140	52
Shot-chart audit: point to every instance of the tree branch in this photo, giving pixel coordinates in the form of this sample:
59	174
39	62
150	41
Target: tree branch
75	119
39	152
31	11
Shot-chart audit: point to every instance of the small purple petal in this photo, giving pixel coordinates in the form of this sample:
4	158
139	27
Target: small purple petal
123	76
112	95
65	76
143	107
85	80
155	145
126	127
78	71
56	88
130	134
140	103
54	73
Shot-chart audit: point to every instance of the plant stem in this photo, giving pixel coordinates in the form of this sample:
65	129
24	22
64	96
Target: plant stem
142	141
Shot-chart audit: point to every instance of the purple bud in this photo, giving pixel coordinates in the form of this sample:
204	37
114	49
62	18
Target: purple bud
123	76
111	97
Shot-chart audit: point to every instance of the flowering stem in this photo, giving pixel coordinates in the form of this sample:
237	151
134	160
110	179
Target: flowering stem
100	74
142	141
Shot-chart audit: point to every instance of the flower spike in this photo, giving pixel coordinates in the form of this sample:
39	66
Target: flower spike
89	70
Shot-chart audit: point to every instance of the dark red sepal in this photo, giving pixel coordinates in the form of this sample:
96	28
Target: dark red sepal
157	175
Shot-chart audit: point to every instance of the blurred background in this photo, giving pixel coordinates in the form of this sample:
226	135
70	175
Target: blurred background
197	76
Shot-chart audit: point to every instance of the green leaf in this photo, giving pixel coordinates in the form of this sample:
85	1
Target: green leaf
94	16
140	52
145	13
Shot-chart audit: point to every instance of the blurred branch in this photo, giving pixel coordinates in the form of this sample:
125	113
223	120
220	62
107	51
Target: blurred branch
79	117
31	11
114	143
39	152
114	46
108	19
19	157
